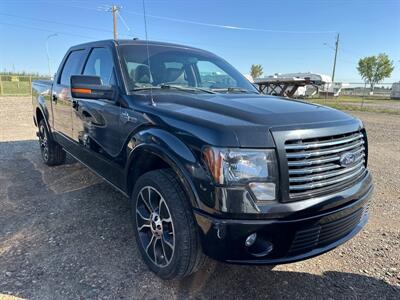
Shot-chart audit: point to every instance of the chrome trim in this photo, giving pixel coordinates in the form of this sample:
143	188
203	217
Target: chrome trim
322	144
313	170
320	184
320	169
324	152
301	163
326	175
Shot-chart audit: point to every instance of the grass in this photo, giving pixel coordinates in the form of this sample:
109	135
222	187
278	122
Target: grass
371	104
355	99
15	88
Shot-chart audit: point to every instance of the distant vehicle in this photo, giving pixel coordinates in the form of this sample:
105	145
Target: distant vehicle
300	85
395	94
211	166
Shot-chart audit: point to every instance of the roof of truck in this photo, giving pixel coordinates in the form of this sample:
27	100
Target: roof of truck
111	42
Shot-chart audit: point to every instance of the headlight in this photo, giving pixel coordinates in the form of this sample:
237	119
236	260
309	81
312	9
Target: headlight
253	167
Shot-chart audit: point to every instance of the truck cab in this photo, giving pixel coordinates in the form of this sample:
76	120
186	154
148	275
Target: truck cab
211	167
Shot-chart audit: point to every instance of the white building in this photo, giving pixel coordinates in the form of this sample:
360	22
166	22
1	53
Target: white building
395	94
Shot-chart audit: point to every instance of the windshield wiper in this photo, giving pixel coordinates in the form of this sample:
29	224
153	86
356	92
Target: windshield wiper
143	88
234	89
205	90
177	87
189	89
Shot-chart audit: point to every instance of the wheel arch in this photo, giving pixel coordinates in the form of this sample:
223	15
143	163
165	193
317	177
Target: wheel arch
155	148
41	115
38	116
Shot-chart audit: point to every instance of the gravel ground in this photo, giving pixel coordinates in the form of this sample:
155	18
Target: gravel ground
64	233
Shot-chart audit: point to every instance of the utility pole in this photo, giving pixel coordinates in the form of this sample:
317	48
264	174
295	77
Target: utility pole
114	10
334	61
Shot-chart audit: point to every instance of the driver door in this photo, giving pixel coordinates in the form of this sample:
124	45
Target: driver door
96	121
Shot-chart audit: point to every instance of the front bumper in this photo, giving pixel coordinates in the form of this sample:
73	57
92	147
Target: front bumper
293	238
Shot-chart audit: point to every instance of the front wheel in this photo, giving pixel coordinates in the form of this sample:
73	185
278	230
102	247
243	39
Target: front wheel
52	152
164	225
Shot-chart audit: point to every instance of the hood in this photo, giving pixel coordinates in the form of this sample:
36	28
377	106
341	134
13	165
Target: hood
241	120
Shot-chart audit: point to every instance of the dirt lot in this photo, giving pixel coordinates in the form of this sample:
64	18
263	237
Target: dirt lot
64	233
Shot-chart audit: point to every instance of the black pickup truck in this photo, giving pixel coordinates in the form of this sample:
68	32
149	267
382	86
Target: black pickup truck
211	166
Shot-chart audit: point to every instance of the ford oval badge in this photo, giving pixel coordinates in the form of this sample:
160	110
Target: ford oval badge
347	159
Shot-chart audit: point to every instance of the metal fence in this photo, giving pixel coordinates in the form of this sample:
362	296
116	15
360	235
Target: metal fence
360	90
359	97
11	85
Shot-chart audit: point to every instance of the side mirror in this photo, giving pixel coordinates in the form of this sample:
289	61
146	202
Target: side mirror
90	87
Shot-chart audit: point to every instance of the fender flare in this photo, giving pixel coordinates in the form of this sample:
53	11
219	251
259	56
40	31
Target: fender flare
43	111
172	151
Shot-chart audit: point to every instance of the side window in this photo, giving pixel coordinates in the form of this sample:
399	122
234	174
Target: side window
100	63
71	67
212	76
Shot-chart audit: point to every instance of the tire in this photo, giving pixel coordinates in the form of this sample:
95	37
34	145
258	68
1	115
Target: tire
165	225
52	152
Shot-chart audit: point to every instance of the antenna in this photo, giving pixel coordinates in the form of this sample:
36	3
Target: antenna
147	49
47	51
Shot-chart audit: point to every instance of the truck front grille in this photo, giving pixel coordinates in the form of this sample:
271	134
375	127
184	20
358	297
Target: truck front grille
315	166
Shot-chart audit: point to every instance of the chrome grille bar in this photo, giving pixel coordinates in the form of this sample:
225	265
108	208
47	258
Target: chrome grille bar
326	175
325	182
321	168
324	152
300	163
314	163
323	144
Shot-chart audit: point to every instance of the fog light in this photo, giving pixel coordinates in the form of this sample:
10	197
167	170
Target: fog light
260	248
251	239
264	191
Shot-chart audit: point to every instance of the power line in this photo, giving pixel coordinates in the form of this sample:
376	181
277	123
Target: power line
48	30
230	26
67	5
125	23
166	40
55	22
221	26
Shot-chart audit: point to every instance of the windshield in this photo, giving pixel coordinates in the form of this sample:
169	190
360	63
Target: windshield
180	68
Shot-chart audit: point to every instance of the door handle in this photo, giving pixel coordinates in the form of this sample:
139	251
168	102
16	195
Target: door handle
125	117
54	98
75	104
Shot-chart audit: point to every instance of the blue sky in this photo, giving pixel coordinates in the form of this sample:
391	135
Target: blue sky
283	36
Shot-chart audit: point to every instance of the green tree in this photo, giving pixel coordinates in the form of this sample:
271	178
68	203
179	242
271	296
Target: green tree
256	71
373	69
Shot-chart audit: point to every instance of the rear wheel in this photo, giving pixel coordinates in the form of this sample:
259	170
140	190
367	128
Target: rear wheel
164	225
52	152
